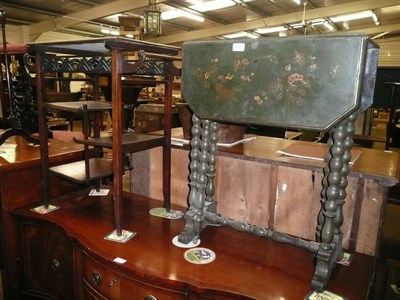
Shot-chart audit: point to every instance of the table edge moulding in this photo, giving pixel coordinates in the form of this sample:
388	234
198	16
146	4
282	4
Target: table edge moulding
114	57
295	82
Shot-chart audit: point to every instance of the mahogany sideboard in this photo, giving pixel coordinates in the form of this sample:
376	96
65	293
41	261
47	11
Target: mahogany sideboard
275	203
20	185
64	255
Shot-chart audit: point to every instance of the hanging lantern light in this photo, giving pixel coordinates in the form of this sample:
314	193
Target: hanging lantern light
152	19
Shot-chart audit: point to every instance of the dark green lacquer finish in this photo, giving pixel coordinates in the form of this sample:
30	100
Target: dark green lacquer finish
319	82
303	82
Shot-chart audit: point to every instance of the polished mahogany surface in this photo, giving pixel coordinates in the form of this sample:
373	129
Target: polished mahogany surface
372	163
77	107
20	185
16	153
245	265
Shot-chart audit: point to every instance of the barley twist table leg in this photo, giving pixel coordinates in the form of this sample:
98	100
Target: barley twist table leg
330	218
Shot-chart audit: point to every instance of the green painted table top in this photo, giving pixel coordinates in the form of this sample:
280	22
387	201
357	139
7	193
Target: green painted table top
307	82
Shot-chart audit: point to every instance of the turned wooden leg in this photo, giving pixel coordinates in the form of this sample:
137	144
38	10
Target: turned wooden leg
330	218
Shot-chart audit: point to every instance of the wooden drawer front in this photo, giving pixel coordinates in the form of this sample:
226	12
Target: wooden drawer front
112	285
48	261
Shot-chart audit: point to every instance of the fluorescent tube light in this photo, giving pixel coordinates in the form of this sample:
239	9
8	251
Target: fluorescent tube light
270	29
114	17
355	16
111	30
212	5
328	25
171	14
297	25
240	35
298	2
319	21
177	13
375	17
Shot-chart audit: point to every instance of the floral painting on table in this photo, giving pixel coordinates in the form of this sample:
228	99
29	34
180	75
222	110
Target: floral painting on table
299	81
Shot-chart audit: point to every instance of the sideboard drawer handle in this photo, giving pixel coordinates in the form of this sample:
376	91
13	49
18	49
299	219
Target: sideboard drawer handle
96	277
112	282
149	297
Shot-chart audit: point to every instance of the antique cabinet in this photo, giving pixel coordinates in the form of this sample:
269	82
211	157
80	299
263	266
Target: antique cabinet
150	267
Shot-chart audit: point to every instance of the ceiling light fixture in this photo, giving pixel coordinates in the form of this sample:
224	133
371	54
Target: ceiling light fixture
351	17
241	35
296	26
375	18
105	30
328	26
298	2
178	13
270	29
152	19
212	5
114	32
110	31
317	21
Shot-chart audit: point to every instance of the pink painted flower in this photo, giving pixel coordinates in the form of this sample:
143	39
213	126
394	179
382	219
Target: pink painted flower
295	77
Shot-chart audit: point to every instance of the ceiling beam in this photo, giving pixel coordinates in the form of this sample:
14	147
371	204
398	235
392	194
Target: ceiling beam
98	11
323	12
377	29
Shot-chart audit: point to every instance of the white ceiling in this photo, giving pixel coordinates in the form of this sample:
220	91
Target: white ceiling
85	17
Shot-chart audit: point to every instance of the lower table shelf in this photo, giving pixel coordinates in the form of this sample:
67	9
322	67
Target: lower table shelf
131	142
75	171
